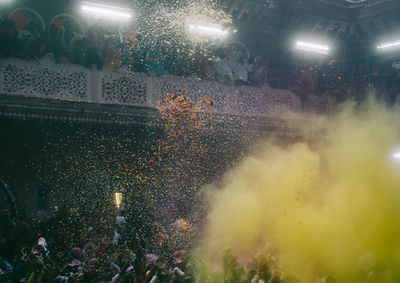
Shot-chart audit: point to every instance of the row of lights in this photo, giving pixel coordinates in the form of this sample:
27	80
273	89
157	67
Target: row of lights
323	48
105	11
98	10
207	30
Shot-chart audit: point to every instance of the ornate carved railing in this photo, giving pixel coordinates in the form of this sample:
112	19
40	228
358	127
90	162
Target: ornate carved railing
75	83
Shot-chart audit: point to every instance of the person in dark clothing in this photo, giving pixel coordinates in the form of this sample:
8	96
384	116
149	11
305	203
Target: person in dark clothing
55	43
84	53
9	43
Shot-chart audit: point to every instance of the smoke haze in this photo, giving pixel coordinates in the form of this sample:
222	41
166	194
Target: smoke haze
329	205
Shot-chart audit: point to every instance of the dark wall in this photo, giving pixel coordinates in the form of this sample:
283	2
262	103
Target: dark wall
35	152
49	163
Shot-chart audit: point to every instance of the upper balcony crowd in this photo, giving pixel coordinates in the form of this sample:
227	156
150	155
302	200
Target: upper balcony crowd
232	64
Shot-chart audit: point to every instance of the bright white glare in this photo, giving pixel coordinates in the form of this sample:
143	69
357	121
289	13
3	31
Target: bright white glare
312	47
117	199
395	155
105	11
2	2
208	30
394	44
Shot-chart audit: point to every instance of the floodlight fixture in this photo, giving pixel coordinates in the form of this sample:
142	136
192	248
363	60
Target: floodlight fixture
312	47
389	45
105	11
208	30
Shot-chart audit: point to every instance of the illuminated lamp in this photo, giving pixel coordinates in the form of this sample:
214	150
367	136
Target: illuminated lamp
105	11
117	199
208	30
389	45
312	47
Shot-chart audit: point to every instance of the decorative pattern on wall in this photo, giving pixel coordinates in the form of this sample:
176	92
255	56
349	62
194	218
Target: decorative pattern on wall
193	88
69	82
119	89
316	104
169	85
264	102
54	81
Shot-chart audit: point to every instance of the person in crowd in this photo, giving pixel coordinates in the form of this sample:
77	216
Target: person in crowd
155	61
56	44
9	42
202	66
134	52
259	74
33	43
239	66
68	33
111	52
222	69
84	53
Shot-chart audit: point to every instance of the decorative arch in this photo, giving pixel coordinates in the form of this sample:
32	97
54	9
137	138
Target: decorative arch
58	20
21	17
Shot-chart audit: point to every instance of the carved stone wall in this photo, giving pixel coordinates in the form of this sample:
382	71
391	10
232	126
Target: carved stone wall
75	83
122	89
47	81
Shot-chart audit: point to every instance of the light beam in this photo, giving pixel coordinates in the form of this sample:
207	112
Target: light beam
389	45
106	11
312	47
208	30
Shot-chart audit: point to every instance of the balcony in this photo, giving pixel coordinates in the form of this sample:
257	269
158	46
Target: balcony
64	87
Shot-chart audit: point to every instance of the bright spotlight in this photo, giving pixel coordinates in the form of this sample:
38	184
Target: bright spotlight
117	199
389	45
208	30
105	11
395	155
312	47
3	2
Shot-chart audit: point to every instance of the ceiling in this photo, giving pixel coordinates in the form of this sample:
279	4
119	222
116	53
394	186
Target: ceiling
353	3
340	19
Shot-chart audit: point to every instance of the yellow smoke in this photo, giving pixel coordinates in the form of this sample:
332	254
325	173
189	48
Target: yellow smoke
329	205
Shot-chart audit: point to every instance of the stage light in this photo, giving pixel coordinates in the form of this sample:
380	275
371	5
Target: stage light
312	47
105	11
208	30
117	199
389	45
395	155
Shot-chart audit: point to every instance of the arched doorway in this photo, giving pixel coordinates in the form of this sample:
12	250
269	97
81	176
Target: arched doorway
68	22
26	16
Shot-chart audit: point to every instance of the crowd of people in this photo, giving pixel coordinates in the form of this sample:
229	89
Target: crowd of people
70	248
229	64
336	81
66	248
106	47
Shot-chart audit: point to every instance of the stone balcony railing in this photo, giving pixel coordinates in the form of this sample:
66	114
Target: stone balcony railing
75	83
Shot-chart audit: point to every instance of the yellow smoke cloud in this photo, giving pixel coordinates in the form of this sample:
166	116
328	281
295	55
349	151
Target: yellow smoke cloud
329	205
